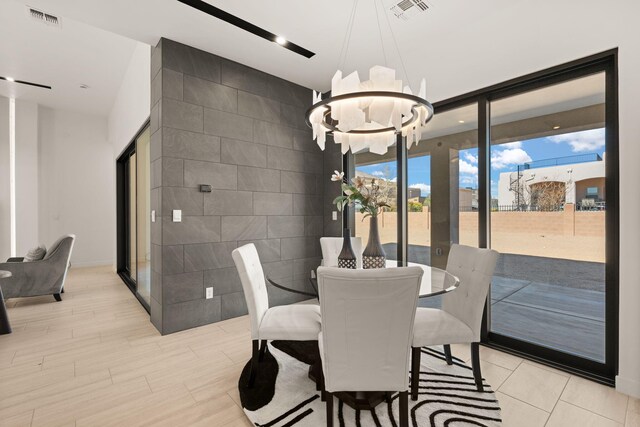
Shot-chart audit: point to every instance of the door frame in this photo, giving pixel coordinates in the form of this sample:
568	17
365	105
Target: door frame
606	62
123	242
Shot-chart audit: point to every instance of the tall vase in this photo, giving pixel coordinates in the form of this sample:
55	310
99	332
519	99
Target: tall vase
347	259
374	256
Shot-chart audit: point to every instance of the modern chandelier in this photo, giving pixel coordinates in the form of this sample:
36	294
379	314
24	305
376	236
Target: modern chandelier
371	113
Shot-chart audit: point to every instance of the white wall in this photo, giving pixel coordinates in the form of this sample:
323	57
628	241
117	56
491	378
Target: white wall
131	107
528	36
5	219
27	209
76	184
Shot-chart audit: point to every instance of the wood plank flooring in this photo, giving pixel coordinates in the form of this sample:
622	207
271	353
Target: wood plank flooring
94	359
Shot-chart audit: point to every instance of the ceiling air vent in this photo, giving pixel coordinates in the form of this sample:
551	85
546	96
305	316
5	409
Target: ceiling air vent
43	17
406	9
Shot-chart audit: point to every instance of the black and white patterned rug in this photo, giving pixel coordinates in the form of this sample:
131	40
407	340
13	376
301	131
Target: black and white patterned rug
283	395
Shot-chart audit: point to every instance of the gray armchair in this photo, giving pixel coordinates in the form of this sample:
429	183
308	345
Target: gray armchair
44	277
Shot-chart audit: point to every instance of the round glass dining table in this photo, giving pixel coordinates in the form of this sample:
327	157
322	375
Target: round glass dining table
435	281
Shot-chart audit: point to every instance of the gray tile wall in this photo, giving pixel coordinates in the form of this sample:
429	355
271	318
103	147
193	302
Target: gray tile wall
241	131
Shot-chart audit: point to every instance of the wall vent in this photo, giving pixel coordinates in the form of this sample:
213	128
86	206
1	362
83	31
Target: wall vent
406	9
43	17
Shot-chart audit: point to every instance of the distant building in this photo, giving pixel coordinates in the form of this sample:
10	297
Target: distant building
575	179
468	199
413	193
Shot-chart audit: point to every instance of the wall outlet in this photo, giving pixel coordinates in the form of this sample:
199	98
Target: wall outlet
334	215
153	216
177	215
209	293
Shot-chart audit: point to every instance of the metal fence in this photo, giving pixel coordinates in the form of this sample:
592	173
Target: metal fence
526	208
567	160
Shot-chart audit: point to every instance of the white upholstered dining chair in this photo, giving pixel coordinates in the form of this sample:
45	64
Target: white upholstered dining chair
295	322
367	328
460	318
331	247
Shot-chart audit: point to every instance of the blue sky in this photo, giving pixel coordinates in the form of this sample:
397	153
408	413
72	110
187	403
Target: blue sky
504	158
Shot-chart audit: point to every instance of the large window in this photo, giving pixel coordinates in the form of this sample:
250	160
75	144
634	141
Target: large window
382	168
529	168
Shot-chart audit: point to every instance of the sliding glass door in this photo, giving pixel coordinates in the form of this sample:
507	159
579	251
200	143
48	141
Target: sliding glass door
134	217
549	203
529	168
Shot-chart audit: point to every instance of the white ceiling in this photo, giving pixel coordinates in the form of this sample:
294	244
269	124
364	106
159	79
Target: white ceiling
319	26
80	53
62	58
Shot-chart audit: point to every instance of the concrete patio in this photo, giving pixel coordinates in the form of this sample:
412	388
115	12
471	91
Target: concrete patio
553	302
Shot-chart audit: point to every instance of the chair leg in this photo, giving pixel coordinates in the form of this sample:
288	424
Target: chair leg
263	348
475	364
254	362
404	408
415	371
62	291
447	354
320	386
58	297
329	405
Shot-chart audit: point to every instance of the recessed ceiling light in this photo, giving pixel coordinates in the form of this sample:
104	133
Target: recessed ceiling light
460	121
281	40
556	127
22	82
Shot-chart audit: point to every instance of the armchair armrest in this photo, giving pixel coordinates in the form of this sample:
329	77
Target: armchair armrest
16	259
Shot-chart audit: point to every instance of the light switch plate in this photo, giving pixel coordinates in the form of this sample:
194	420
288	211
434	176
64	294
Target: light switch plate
209	293
177	215
153	216
334	215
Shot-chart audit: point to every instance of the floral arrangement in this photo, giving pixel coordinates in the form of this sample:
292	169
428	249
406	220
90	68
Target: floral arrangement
368	195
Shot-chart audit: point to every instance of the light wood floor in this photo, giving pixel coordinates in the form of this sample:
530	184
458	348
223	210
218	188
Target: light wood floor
94	359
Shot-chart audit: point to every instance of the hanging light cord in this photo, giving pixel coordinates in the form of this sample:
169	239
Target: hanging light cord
384	53
347	36
395	42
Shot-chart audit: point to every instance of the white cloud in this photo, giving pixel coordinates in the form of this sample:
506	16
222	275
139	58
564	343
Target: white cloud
378	173
468	180
515	144
468	168
470	158
425	189
509	156
394	179
588	140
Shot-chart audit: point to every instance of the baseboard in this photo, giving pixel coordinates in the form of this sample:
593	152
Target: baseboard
628	386
103	263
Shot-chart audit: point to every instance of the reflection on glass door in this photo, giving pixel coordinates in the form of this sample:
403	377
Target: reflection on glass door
134	217
143	206
548	208
133	241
